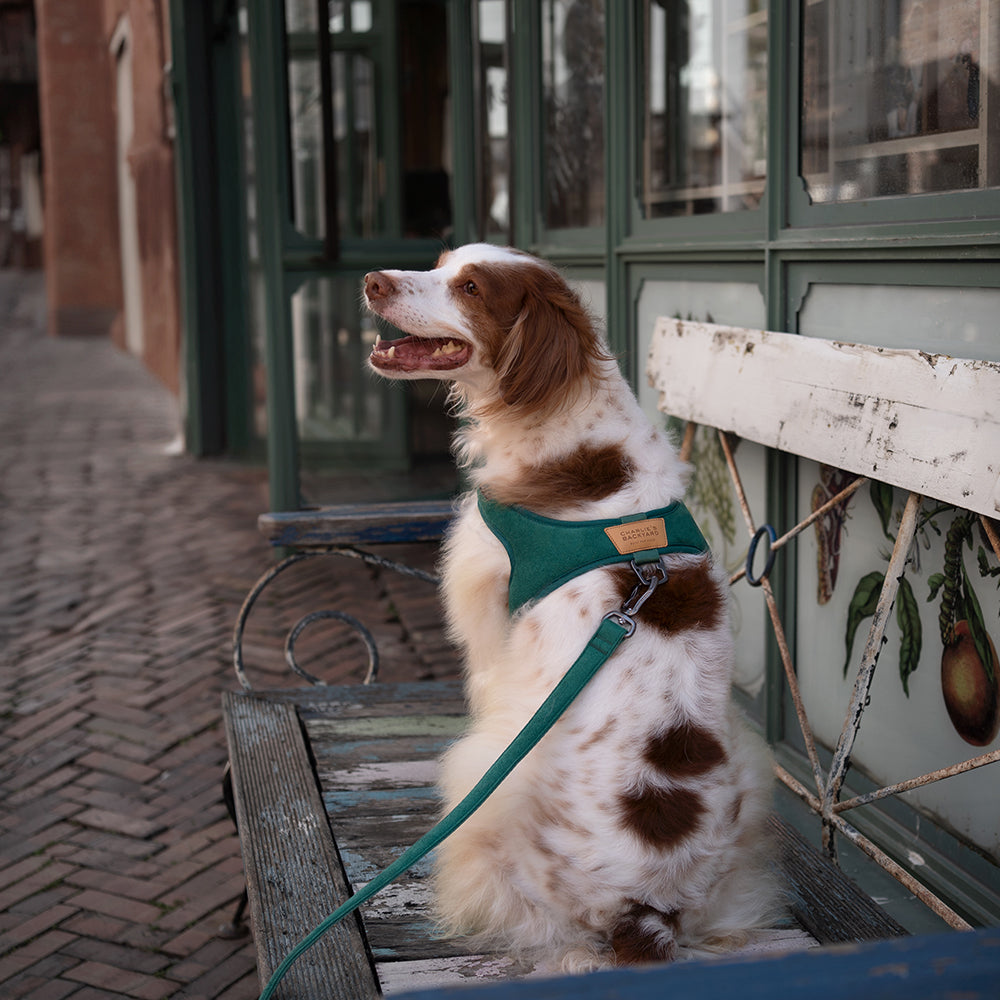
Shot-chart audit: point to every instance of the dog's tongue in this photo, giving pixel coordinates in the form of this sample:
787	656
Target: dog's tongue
410	354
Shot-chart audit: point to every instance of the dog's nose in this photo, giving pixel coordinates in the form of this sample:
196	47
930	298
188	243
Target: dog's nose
378	285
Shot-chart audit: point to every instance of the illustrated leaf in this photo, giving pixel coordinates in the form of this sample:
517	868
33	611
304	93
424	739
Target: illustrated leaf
881	494
936	582
862	606
911	633
977	627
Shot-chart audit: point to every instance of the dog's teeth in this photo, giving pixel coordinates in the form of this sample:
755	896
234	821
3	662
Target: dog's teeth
391	352
437	352
378	339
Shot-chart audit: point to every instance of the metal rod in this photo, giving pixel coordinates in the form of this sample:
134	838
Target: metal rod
779	629
796	786
866	670
690	429
267	578
737	482
248	603
778	543
924	779
928	898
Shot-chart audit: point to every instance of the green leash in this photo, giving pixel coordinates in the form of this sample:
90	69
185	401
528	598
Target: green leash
615	627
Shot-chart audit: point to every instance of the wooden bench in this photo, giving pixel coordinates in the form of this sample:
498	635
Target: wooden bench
331	783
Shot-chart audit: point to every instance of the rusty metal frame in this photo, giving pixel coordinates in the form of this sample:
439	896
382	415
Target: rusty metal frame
267	578
825	799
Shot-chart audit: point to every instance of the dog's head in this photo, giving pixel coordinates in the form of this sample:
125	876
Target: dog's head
501	324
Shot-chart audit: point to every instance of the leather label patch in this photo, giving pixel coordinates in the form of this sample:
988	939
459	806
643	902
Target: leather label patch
637	536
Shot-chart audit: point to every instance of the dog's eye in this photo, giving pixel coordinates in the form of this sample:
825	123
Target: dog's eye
471	288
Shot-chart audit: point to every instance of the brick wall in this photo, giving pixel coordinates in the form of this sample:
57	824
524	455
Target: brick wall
83	248
151	161
82	264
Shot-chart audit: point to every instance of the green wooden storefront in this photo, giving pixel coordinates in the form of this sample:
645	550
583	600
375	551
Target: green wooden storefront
823	167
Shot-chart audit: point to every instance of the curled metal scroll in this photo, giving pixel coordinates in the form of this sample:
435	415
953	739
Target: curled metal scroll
366	637
296	557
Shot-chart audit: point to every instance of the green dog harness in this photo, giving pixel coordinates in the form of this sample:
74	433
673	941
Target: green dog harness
546	553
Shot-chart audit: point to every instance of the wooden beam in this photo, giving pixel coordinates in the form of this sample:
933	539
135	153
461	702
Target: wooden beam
928	423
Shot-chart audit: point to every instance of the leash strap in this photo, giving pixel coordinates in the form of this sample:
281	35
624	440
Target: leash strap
615	627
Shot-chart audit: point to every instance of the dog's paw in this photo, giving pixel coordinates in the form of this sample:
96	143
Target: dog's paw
584	958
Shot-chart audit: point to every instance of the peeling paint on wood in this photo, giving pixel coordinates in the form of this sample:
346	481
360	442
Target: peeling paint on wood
927	423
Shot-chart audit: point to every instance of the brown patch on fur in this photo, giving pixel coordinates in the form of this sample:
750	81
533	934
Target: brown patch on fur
662	818
686	751
541	847
556	815
734	810
600	735
585	474
690	598
537	336
644	935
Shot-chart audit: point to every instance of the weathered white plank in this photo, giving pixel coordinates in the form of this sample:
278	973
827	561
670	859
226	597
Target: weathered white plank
924	422
435	974
380	776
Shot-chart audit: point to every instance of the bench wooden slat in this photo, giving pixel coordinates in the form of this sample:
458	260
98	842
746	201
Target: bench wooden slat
357	524
293	871
926	423
823	899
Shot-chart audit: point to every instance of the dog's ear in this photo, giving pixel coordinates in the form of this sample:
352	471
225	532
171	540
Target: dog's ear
549	349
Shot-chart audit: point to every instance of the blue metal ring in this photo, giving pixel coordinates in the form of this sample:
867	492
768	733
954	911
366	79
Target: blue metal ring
766	529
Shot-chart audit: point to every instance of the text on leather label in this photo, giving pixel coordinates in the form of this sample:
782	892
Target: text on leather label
636	536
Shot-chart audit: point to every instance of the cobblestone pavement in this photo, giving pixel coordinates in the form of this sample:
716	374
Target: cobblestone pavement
122	566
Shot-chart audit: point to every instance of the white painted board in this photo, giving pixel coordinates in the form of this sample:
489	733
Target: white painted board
923	422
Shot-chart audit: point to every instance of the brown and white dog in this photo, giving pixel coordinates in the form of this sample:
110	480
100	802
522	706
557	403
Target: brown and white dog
637	826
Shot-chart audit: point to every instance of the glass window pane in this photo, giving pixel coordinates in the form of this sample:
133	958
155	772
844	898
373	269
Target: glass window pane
335	399
492	119
355	16
361	15
300	15
305	111
894	98
705	106
424	119
573	85
392	151
355	136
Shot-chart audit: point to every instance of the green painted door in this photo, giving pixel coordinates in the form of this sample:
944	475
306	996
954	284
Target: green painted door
354	169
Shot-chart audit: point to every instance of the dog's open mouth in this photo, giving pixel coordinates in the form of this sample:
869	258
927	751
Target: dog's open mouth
413	354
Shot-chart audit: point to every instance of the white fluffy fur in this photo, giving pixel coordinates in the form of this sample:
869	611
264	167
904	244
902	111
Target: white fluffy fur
549	865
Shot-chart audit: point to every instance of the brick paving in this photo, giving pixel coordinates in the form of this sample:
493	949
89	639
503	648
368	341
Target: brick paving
122	566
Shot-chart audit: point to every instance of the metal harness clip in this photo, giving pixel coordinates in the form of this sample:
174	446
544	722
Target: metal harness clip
651	575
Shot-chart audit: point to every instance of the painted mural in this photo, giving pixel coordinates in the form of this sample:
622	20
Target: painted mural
947	575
